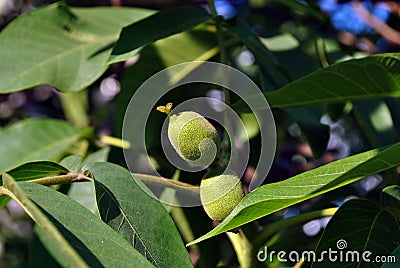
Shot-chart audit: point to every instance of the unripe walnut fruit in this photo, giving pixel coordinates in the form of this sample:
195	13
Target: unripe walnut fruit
193	137
220	194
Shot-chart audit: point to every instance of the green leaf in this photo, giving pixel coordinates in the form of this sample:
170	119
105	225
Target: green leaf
361	225
35	139
39	254
160	25
98	156
137	216
76	162
72	258
63	47
32	170
275	196
95	242
371	77
72	162
36	170
84	192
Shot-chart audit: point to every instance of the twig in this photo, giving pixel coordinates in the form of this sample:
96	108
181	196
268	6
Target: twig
242	247
61	179
177	185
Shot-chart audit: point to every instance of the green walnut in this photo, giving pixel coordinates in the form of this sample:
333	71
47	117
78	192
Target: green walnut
220	194
193	137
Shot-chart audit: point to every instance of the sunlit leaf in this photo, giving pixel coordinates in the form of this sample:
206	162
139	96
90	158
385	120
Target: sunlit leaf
371	77
61	46
272	197
143	32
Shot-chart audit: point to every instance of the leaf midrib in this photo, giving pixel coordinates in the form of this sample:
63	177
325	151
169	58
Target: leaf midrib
64	53
125	217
